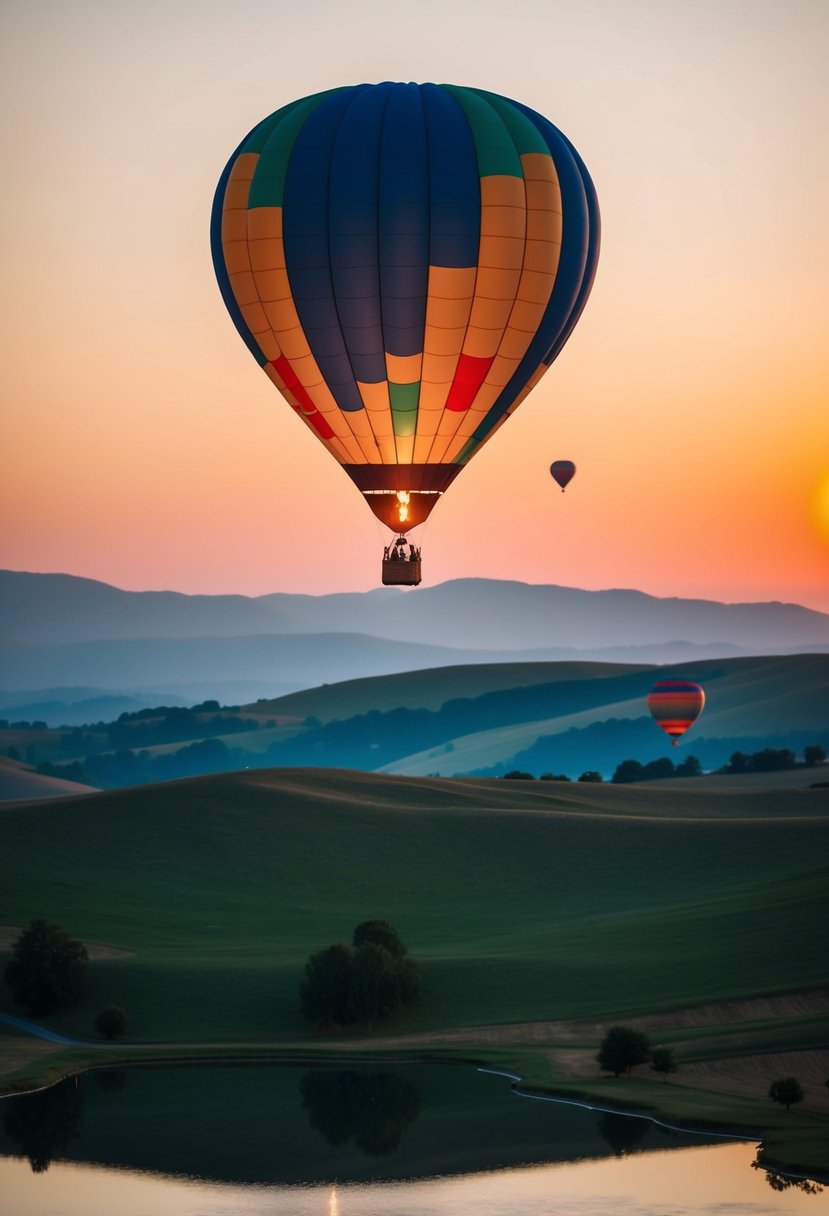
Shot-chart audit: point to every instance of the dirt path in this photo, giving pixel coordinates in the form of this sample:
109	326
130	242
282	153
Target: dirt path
732	1014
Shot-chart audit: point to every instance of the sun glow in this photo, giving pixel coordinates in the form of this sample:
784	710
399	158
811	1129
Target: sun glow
820	508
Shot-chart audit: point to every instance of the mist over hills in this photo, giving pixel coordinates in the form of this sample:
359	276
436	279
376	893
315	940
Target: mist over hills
58	629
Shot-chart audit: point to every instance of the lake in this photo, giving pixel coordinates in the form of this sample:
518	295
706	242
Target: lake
397	1140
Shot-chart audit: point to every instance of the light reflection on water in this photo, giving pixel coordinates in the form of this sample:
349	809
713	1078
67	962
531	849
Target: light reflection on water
689	1182
357	1141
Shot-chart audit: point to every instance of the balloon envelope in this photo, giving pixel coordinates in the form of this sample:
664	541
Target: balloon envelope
405	262
676	705
563	472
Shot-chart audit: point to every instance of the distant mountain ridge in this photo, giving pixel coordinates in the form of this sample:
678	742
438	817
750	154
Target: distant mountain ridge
466	614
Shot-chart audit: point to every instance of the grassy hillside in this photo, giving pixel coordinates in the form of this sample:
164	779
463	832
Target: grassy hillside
19	781
749	703
430	688
483	720
522	901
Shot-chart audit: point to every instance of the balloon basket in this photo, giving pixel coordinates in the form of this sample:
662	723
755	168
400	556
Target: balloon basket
401	564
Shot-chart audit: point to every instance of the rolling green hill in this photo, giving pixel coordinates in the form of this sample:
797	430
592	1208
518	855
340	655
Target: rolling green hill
484	720
521	900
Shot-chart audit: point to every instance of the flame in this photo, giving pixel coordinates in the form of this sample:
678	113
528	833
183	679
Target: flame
403	505
334	1202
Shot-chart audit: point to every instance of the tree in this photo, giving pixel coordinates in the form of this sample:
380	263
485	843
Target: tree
787	1091
361	984
374	992
622	1049
628	770
689	767
656	769
112	1022
591	776
813	754
47	969
662	1061
516	774
324	994
382	934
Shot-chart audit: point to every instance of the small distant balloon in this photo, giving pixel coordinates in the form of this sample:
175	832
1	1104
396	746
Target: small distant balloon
562	472
676	705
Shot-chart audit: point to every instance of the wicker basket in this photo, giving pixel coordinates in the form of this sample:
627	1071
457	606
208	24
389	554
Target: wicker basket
401	574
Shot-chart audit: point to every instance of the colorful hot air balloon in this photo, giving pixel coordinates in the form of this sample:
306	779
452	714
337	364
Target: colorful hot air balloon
676	705
405	262
562	472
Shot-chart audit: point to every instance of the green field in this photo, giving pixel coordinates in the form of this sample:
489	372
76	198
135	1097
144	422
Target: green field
523	902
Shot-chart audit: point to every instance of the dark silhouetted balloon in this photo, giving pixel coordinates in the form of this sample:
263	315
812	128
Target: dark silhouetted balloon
563	472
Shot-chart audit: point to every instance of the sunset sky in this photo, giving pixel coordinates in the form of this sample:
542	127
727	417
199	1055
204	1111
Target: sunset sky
141	444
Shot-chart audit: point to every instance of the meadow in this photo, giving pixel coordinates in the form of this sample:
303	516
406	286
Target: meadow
539	913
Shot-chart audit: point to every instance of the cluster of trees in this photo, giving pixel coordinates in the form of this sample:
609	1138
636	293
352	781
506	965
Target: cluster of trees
364	982
632	770
126	767
772	760
152	727
628	770
768	760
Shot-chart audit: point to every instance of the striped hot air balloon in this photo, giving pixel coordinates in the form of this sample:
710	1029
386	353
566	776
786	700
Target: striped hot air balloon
405	262
676	705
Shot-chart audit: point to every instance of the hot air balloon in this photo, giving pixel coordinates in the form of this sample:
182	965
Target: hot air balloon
405	262
562	472
676	705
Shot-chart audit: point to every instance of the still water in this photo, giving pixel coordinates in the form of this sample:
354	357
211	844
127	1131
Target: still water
413	1141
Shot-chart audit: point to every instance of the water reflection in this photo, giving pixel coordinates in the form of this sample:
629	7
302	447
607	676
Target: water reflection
624	1133
371	1108
331	1132
42	1124
112	1080
783	1182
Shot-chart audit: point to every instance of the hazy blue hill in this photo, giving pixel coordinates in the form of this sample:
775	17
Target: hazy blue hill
495	613
463	613
269	661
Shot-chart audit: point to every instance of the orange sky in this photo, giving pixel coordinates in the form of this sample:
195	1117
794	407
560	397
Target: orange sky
141	444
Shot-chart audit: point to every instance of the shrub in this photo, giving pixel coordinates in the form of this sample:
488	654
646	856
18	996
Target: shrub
112	1022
